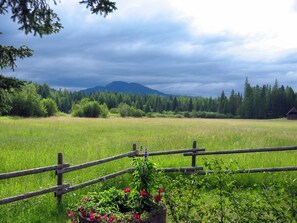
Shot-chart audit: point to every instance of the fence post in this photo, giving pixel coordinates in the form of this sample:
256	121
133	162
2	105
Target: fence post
59	178
194	154
134	149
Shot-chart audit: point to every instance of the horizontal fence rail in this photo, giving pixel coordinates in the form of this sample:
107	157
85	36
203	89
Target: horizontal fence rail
100	179
181	169
170	152
32	194
63	168
96	162
30	171
255	150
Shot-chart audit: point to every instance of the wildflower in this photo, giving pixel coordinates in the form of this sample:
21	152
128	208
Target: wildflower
127	190
143	192
98	217
160	190
110	219
81	209
70	214
157	198
92	217
87	199
136	216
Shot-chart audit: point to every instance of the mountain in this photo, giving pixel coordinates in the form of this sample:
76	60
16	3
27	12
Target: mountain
123	87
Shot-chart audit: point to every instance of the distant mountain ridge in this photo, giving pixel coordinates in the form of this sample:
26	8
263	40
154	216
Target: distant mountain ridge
123	87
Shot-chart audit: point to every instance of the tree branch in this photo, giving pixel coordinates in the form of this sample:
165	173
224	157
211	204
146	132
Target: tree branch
8	55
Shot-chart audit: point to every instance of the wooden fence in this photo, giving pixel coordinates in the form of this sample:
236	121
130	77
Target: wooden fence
62	168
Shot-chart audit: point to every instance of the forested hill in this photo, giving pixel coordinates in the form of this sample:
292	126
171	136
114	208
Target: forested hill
123	87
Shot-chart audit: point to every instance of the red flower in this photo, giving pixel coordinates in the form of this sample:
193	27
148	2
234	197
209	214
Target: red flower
127	190
111	219
136	216
160	190
157	198
81	209
84	214
98	216
143	192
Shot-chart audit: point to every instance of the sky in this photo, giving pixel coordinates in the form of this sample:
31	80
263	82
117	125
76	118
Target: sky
189	47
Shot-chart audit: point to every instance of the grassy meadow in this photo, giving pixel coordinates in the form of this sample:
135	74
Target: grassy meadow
35	142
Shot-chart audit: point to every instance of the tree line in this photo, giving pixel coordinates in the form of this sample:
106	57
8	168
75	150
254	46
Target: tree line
30	99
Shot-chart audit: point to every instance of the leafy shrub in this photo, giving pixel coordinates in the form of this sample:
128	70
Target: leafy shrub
217	197
27	103
124	110
103	110
136	112
50	106
114	111
128	205
150	115
91	109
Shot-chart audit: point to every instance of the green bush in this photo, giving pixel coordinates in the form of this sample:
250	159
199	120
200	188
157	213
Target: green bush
50	106
124	110
90	109
218	197
114	111
150	115
28	103
103	111
136	112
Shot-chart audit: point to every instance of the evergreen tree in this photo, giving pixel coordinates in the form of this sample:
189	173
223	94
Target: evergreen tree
247	110
222	103
174	105
190	105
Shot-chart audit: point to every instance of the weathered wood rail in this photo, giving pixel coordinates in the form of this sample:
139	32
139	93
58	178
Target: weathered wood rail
63	168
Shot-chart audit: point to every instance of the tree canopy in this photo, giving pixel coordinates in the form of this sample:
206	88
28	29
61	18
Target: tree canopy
37	17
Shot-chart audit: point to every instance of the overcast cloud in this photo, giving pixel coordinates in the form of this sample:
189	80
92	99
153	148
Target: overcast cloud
190	47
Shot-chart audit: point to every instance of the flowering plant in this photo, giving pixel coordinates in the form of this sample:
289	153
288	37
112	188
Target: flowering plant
128	205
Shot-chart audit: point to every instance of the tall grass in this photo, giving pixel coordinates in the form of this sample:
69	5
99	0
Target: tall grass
30	143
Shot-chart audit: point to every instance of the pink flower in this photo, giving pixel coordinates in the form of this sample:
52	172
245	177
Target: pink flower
127	190
160	190
92	217
87	199
70	214
143	192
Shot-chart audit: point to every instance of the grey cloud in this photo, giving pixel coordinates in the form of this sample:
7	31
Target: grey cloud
149	52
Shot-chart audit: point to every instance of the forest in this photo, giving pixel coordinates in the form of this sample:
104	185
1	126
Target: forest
20	98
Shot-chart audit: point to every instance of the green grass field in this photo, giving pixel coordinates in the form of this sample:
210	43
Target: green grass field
31	143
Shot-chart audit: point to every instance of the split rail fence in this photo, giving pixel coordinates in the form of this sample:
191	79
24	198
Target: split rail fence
63	168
